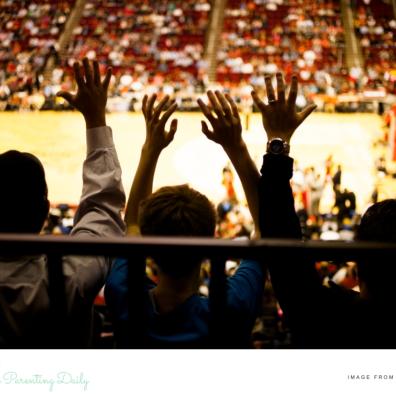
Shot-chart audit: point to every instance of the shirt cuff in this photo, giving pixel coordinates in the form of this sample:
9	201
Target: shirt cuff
99	138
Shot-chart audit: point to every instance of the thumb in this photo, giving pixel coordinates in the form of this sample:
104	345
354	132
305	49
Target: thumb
205	130
306	112
67	96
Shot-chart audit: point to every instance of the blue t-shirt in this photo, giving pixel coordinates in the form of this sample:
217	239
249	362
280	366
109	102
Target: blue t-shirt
187	325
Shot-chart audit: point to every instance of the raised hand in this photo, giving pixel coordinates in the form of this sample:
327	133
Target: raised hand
280	117
91	96
157	138
226	125
227	131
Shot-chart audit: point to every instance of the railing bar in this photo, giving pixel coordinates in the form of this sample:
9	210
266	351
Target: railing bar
217	304
57	302
137	316
283	249
183	241
137	249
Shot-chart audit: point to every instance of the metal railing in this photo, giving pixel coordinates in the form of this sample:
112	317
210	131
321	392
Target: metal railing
137	248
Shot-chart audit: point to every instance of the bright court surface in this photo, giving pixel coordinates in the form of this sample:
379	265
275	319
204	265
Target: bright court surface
58	139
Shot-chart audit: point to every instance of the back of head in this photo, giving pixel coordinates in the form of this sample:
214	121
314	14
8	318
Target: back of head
23	198
378	224
177	211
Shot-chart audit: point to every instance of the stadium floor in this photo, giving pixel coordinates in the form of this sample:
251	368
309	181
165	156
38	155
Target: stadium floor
58	140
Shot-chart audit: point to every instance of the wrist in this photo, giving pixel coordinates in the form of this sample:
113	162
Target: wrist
239	157
95	121
150	151
235	150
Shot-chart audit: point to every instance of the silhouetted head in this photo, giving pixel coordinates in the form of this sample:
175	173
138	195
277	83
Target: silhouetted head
177	211
23	199
378	224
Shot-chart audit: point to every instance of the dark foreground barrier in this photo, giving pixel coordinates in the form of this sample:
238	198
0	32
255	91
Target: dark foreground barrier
137	248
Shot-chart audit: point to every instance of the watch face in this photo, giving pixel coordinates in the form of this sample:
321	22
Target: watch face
276	147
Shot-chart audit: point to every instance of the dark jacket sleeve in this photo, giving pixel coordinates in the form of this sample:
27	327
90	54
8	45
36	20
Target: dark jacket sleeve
296	283
278	218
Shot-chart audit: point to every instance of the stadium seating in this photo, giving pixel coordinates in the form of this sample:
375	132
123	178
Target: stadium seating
264	37
375	26
158	46
144	40
29	32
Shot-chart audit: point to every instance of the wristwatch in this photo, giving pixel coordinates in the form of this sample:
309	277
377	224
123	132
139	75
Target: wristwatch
278	146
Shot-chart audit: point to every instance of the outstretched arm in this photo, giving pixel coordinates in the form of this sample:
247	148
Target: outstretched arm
227	131
245	288
103	197
156	140
296	283
278	218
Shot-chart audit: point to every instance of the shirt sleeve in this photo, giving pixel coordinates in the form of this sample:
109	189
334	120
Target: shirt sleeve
278	218
98	215
103	197
245	288
296	282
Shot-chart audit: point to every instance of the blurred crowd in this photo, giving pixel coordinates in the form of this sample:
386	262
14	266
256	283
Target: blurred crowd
263	37
29	34
376	30
158	46
149	44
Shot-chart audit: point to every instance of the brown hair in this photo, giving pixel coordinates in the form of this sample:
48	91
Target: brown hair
177	211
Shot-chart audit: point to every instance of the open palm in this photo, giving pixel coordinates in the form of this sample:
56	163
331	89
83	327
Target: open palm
280	116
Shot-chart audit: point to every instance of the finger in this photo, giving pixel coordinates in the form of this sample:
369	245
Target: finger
88	72
224	104
206	131
293	91
233	105
205	110
67	96
150	105
96	72
280	86
215	104
78	75
106	81
167	114
258	102
270	89
306	112
172	130
158	109
144	105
